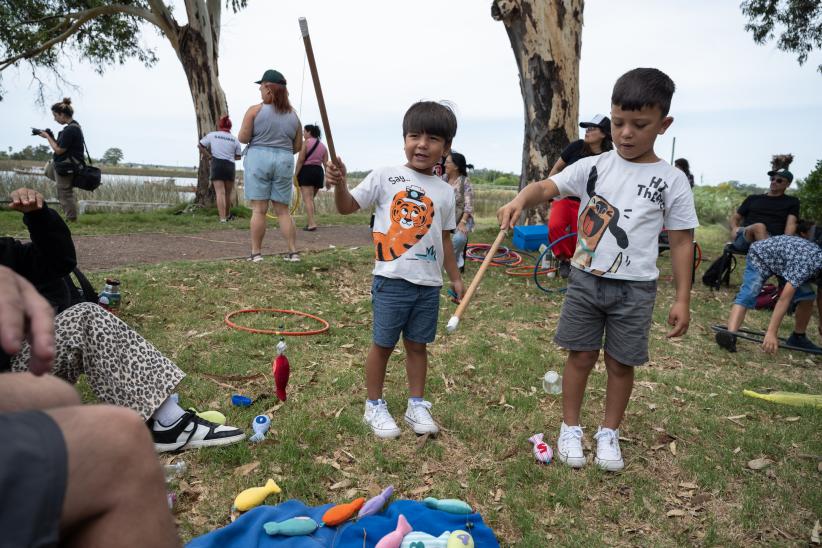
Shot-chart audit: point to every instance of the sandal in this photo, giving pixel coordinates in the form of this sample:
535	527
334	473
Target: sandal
310	228
255	258
292	257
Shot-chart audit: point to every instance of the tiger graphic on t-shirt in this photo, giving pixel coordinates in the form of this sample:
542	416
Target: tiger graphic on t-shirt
411	215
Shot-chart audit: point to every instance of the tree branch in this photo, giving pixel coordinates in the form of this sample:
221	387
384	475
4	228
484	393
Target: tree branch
82	18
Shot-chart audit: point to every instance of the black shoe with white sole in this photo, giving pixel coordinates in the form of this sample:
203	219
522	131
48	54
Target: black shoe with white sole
191	432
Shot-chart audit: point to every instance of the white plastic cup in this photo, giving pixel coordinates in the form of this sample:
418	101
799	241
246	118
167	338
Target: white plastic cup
552	383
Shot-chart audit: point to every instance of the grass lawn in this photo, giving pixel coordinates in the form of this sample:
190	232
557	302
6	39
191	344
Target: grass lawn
687	437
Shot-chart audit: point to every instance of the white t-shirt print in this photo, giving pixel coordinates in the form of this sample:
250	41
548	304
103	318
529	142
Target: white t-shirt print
624	207
411	211
223	145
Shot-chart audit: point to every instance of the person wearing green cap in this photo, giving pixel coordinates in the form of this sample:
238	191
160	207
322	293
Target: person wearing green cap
272	131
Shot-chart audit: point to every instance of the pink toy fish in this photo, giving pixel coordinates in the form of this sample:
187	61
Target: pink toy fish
542	451
394	538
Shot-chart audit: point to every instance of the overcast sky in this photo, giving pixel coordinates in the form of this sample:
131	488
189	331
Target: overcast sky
736	103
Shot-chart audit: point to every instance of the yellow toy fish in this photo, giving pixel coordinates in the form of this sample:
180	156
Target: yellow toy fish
255	496
788	398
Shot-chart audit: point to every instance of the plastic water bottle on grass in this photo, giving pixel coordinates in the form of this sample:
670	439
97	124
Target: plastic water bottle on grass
552	383
109	298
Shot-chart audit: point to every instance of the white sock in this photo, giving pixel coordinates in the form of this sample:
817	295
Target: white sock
169	411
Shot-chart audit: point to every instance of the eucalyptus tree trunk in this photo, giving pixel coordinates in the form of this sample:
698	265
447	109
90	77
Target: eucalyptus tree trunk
546	38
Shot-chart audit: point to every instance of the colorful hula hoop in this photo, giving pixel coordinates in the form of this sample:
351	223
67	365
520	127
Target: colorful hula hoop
539	262
503	257
275	331
526	270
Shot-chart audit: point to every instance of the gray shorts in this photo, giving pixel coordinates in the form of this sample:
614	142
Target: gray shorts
621	309
33	476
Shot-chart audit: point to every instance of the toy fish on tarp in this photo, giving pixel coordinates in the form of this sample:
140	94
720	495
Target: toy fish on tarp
293	527
542	451
342	512
460	539
788	398
418	539
375	504
281	370
255	496
394	538
260	425
452	506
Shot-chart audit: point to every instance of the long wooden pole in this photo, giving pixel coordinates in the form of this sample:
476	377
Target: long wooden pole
312	64
455	319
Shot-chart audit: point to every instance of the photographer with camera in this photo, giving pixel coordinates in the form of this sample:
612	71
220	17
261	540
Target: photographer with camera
68	155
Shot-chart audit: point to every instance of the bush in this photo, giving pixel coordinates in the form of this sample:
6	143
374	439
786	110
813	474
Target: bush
809	192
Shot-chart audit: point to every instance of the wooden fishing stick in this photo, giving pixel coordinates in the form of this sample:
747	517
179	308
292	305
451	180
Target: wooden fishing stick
316	78
455	319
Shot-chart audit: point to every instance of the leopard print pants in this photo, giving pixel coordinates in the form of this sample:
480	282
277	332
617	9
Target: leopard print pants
121	367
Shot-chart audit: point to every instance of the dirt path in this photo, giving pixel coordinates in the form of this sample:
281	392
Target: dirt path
106	252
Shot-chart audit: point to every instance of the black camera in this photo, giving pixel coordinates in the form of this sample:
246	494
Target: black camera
35	131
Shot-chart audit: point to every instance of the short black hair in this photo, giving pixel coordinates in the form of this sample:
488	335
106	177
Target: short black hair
643	87
803	226
314	130
431	117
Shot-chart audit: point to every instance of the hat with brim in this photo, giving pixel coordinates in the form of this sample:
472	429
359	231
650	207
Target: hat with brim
784	173
273	77
600	121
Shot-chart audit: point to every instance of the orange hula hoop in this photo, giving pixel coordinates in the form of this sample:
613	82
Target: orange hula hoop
275	331
526	271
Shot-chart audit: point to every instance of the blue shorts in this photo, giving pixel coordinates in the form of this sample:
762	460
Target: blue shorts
268	174
740	243
752	282
404	307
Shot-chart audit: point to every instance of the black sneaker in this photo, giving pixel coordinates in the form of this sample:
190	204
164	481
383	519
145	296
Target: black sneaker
801	341
191	432
726	341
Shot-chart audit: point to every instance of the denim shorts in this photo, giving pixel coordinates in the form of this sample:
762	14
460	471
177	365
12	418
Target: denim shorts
268	174
404	307
752	282
621	309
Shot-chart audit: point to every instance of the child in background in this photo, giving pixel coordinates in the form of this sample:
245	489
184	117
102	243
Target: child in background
223	149
629	194
799	261
414	217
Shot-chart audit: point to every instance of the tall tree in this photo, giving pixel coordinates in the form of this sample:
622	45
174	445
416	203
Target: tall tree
546	38
799	22
112	156
44	34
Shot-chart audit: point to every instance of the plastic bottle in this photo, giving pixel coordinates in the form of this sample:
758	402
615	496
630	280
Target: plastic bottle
552	383
173	471
109	298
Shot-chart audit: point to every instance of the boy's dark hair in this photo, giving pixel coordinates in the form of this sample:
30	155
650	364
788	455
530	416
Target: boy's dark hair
803	226
643	87
432	118
314	130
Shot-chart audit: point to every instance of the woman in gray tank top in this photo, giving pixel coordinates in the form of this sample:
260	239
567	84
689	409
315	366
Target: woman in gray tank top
271	130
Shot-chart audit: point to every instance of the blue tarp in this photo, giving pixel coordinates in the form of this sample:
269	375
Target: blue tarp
247	531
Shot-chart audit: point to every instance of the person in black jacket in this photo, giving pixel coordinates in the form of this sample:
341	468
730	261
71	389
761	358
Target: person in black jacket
121	367
69	145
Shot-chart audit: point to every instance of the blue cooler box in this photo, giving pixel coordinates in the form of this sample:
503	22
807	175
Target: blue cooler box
529	237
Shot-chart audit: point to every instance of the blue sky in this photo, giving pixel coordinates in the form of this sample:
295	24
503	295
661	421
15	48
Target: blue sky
736	104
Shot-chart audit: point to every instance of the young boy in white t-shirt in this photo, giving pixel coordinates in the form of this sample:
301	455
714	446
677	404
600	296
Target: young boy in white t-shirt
628	194
413	220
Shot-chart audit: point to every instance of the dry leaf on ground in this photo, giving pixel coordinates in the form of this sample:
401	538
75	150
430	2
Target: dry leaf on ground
759	464
246	469
675	513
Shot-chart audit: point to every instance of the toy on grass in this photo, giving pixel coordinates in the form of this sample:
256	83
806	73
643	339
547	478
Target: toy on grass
460	539
211	416
260	425
394	538
342	512
466	298
281	370
788	398
758	337
452	506
241	401
375	504
542	451
293	527
255	496
418	539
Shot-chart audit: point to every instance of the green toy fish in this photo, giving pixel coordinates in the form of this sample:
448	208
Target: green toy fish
293	527
452	506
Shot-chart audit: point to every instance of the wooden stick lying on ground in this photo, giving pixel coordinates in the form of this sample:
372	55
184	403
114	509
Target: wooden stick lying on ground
455	319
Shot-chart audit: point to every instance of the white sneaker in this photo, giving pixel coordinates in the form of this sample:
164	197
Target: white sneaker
380	420
609	457
569	446
419	418
191	432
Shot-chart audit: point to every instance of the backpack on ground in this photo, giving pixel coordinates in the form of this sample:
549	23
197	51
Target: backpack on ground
64	293
768	295
719	273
